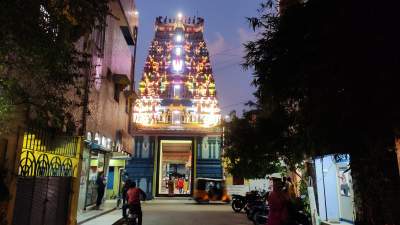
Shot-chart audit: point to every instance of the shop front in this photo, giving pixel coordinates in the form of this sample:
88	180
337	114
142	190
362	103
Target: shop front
96	158
168	165
175	171
115	176
334	189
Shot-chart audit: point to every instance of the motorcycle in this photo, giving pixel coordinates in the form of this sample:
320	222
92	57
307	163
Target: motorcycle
259	214
260	217
258	203
241	202
132	217
298	215
238	202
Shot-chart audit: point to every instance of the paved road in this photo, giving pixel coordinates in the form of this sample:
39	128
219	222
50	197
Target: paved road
180	214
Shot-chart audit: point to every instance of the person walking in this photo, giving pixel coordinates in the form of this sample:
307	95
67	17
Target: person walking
278	201
125	189
100	189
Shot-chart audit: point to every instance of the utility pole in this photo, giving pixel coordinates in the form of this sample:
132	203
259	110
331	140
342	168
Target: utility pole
133	96
75	182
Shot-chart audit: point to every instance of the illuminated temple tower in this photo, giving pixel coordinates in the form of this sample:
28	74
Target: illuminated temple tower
176	115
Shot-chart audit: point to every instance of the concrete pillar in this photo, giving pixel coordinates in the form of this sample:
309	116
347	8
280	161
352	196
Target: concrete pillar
75	184
13	154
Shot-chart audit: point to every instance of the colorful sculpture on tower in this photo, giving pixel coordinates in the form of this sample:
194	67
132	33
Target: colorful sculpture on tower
177	133
177	87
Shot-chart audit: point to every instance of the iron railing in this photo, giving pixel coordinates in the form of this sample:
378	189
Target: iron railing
47	154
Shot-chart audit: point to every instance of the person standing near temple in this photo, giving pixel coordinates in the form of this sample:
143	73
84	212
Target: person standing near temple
186	186
100	189
180	185
291	189
278	201
170	186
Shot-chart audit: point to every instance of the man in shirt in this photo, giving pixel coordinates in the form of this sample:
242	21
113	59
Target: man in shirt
134	195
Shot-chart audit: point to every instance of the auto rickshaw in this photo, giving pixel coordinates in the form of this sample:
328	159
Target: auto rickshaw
208	189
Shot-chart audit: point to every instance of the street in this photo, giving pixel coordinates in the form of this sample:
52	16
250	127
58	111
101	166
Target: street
180	214
289	108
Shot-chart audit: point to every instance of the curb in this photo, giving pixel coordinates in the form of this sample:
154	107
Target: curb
97	215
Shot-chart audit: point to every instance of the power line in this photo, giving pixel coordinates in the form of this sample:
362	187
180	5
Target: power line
227	106
226	66
225	54
226	50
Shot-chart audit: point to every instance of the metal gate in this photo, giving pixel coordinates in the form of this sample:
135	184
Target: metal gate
46	167
42	201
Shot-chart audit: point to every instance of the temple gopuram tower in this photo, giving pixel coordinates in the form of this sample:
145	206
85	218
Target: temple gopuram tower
176	115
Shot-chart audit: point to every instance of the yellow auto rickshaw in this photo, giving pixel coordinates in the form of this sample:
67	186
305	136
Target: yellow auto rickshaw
208	189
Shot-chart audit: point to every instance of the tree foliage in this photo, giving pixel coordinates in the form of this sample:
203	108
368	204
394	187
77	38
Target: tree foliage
39	59
246	156
326	74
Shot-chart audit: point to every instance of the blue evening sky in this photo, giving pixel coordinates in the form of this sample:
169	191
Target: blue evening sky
225	30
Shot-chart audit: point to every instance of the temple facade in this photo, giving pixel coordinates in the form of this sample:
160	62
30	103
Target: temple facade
176	115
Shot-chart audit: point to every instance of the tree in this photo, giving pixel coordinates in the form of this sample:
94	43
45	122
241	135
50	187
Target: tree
326	74
246	156
40	64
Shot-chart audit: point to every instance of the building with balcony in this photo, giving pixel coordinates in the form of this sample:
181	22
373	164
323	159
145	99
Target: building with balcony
108	141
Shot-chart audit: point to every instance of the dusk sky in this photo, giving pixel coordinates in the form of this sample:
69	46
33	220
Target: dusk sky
226	29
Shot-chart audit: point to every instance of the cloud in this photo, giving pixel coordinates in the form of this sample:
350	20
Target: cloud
246	35
218	45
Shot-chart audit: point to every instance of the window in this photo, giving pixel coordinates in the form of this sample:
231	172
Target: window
176	117
178	38
89	136
99	36
97	138
177	65
177	91
127	105
238	180
178	51
116	92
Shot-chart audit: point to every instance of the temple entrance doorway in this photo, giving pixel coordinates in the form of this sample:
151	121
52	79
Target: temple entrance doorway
175	170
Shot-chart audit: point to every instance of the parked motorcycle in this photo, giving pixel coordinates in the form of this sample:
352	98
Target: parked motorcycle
260	217
256	203
298	215
238	202
259	213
